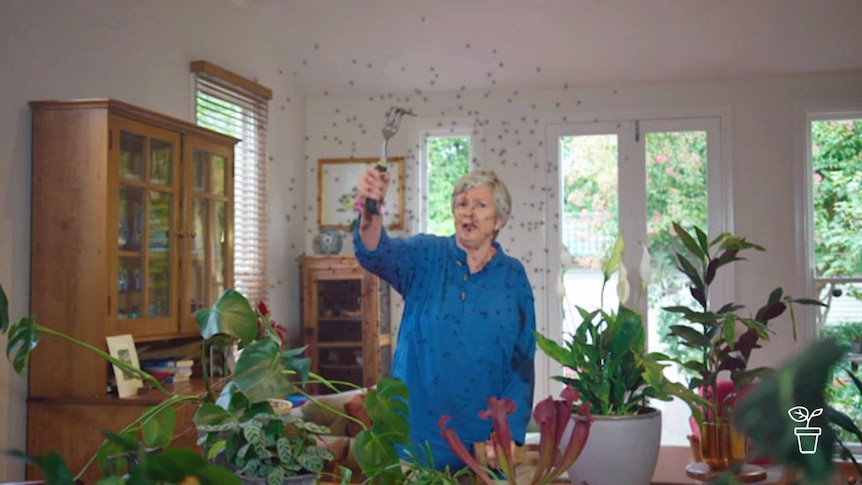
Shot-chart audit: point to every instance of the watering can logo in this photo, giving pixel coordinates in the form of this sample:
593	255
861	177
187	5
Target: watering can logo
806	436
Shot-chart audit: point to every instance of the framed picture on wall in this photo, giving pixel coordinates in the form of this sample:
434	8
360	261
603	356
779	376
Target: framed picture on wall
336	191
122	347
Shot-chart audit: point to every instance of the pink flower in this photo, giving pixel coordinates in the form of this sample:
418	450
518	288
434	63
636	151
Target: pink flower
818	177
660	159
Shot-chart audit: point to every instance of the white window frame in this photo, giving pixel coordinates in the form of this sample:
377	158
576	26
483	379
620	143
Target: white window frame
806	113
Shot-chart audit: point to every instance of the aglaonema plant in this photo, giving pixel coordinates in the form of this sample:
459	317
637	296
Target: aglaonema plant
723	336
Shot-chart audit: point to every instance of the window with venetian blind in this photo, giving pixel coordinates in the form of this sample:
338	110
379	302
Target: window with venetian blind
233	105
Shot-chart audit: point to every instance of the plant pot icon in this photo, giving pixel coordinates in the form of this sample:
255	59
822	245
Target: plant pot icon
807	438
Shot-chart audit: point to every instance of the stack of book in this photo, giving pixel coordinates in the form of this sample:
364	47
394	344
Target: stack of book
169	370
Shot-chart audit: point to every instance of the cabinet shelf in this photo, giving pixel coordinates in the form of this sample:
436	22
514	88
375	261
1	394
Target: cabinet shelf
338	345
340	319
341	366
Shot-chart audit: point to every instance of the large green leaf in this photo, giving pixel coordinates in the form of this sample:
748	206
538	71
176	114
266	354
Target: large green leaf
54	469
375	449
158	431
212	418
261	371
231	315
22	339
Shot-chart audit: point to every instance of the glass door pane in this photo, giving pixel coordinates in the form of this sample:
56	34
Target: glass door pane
590	221
130	285
208	235
147	214
676	191
159	287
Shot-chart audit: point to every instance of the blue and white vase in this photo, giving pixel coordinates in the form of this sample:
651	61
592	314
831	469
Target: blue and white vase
329	241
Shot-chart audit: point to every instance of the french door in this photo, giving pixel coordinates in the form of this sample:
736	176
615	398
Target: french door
634	178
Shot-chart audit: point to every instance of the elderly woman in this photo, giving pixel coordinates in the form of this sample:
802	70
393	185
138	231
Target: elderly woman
467	329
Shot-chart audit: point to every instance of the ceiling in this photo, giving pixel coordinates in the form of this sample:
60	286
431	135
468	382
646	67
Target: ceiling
359	47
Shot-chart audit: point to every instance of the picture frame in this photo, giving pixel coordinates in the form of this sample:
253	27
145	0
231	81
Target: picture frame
336	192
122	347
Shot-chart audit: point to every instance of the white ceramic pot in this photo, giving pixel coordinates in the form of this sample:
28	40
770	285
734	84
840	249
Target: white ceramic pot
619	450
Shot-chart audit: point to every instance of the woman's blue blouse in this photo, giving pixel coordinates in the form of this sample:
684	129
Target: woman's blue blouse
463	337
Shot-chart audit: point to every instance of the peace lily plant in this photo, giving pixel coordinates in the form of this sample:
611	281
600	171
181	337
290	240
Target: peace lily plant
606	356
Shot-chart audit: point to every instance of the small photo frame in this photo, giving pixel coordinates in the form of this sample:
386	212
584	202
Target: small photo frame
336	191
122	347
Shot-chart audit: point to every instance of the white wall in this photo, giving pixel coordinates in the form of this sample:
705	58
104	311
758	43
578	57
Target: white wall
138	52
511	125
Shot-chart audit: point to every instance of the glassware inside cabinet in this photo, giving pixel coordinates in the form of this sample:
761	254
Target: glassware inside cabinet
131	218
132	156
162	155
129	288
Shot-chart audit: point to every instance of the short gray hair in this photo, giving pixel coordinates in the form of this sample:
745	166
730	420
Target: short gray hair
477	178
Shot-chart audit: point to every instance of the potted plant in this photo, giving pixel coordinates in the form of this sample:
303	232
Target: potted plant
723	338
242	430
607	363
562	438
249	428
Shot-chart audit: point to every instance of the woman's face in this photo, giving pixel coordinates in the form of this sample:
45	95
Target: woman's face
475	216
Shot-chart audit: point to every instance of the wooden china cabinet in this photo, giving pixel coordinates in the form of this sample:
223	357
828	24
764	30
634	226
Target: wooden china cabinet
132	232
346	318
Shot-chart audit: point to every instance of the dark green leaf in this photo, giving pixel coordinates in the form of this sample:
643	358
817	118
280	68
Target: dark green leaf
158	431
23	338
260	371
689	242
231	315
4	311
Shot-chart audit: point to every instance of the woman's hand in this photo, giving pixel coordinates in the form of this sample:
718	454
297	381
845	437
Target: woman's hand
372	184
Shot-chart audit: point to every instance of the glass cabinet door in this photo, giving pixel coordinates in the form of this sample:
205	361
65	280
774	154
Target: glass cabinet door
147	209
208	235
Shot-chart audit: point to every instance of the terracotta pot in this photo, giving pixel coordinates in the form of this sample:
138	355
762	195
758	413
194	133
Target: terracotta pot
721	445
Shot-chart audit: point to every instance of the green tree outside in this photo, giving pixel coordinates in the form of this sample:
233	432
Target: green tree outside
448	159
